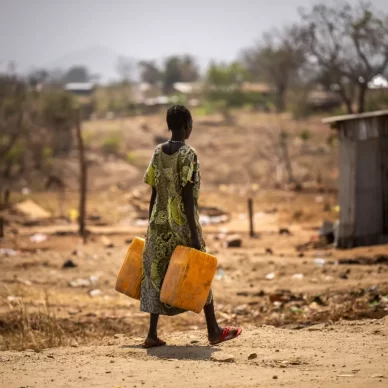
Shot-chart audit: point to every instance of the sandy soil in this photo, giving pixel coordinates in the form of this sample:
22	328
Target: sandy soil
74	338
310	324
345	354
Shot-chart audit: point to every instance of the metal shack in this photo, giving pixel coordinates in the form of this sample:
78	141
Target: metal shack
363	183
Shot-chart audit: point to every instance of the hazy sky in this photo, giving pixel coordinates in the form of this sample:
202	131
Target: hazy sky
46	32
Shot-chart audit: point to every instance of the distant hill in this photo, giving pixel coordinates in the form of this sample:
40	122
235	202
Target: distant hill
99	60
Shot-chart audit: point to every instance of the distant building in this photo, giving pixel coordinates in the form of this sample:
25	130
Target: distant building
378	82
363	181
322	100
188	88
80	88
143	92
256	87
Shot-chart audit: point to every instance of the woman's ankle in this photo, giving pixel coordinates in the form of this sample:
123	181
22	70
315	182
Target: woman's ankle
153	336
214	331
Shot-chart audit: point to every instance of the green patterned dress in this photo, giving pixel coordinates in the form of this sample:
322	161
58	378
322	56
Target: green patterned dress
168	226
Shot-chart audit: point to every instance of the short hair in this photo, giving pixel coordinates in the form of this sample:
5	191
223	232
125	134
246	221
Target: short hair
178	116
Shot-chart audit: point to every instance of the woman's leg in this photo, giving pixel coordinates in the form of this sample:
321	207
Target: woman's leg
213	330
152	339
216	334
153	331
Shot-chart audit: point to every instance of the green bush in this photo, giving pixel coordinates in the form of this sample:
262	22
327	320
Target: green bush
47	152
88	137
305	135
131	157
15	154
332	140
376	100
300	109
205	109
340	111
111	145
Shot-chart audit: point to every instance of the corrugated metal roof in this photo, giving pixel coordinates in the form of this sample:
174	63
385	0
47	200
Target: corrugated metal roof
187	87
85	86
255	87
378	82
357	116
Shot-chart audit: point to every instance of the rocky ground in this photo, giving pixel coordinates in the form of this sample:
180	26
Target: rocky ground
311	315
343	354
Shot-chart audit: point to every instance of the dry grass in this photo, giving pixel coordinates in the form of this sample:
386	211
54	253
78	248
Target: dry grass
21	329
231	153
23	326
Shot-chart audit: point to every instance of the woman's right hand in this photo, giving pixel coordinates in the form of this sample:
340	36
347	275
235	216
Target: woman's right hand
195	242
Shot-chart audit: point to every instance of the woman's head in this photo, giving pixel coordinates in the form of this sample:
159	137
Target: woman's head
179	120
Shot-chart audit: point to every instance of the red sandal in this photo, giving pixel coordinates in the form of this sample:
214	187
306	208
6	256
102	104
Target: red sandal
228	333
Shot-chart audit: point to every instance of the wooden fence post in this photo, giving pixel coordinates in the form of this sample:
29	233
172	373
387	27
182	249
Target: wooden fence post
250	210
3	205
83	177
1	227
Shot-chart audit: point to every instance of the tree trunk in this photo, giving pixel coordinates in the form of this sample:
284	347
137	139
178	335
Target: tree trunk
7	196
280	99
3	205
83	177
349	107
1	227
286	158
362	97
347	101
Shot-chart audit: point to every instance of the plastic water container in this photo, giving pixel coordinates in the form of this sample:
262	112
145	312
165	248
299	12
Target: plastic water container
188	279
129	278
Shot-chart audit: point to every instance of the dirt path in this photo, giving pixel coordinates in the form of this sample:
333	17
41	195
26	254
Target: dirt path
345	354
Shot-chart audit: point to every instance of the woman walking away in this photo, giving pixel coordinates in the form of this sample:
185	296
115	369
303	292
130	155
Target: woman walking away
173	220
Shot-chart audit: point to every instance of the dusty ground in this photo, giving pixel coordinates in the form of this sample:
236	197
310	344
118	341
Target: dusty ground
315	316
308	343
345	354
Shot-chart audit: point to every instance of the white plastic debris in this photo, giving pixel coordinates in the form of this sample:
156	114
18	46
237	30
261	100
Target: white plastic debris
270	276
93	293
38	238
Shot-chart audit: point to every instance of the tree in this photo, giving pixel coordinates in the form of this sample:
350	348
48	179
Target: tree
150	73
56	111
349	44
179	69
189	69
226	76
34	128
77	74
277	58
38	77
224	86
125	67
276	151
12	147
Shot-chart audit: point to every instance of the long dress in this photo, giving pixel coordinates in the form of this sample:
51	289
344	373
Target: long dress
168	226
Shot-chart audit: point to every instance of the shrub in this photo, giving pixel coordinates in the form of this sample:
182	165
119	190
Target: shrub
300	109
47	153
131	157
111	145
305	135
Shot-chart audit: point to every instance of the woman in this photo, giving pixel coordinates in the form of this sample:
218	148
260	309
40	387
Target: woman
174	220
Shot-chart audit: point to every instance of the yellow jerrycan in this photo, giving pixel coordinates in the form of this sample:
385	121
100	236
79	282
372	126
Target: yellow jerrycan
129	279
188	279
